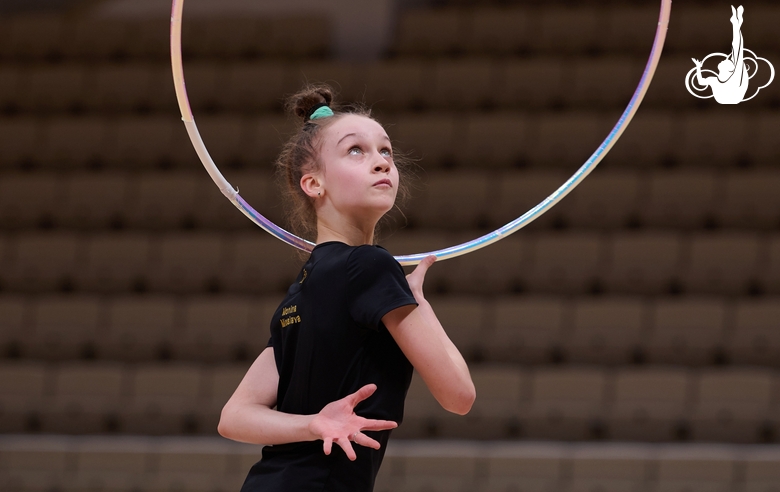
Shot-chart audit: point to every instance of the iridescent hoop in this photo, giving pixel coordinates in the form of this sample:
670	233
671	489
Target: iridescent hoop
442	254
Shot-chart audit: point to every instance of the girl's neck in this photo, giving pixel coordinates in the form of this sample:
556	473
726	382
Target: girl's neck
352	236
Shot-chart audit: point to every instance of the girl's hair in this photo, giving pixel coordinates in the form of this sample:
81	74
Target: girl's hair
300	154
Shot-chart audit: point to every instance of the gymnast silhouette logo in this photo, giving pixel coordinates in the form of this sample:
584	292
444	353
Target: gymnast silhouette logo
730	84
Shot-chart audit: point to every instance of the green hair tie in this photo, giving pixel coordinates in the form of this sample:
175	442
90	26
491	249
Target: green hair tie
321	112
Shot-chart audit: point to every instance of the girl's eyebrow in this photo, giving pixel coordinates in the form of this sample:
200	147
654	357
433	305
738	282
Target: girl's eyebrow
345	136
354	135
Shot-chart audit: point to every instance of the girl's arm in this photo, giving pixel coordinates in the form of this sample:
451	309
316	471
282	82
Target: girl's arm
249	416
419	334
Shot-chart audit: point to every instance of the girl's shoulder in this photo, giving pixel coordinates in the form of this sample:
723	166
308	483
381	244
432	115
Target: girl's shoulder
365	259
371	259
372	252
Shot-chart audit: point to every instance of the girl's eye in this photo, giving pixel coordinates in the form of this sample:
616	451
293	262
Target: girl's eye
355	151
387	152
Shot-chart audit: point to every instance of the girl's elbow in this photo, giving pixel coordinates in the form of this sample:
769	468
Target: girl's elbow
468	399
224	425
462	403
223	429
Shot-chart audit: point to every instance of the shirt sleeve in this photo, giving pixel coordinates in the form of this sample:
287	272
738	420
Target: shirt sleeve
377	285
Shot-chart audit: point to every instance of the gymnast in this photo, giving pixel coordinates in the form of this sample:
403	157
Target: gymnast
352	327
731	84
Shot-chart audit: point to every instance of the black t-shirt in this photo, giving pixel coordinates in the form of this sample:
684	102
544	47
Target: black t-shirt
329	341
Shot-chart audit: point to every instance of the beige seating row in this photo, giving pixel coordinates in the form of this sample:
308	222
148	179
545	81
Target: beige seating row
474	83
652	262
510	466
38	463
574	29
652	403
609	198
502	139
604	330
484	30
56	36
624	403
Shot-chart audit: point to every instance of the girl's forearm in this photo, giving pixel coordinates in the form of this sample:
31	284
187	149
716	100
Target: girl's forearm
257	424
431	319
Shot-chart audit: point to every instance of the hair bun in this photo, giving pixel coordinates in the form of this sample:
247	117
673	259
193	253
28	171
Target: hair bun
301	103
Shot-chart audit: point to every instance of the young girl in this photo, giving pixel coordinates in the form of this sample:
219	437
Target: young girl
346	338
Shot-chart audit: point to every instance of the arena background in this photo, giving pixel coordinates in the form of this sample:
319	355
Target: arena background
626	341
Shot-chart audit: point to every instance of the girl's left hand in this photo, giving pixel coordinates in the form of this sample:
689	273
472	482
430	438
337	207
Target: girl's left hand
337	422
417	277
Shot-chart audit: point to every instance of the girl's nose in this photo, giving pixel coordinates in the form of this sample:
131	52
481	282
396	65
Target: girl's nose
382	167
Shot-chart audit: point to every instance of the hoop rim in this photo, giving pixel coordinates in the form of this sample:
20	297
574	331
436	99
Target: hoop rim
442	254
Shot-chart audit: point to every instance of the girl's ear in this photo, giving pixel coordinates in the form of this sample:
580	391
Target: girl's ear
311	185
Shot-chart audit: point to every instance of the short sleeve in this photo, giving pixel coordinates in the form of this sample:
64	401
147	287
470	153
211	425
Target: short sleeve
377	285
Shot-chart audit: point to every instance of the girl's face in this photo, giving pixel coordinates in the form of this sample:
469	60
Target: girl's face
357	176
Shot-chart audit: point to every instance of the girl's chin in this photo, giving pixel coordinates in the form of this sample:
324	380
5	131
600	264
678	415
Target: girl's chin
379	209
381	202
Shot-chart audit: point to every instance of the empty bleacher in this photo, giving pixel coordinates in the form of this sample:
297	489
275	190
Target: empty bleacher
575	402
610	199
176	463
557	262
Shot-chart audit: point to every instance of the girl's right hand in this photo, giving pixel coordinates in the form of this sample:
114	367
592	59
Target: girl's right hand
337	422
417	277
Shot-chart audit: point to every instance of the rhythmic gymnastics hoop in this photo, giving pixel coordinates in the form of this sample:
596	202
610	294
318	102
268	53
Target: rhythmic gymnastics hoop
442	254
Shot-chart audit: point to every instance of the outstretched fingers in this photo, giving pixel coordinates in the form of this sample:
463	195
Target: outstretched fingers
361	394
327	445
346	445
366	441
378	425
337	418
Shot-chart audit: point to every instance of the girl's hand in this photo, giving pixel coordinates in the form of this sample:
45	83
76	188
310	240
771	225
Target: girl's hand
337	422
417	277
